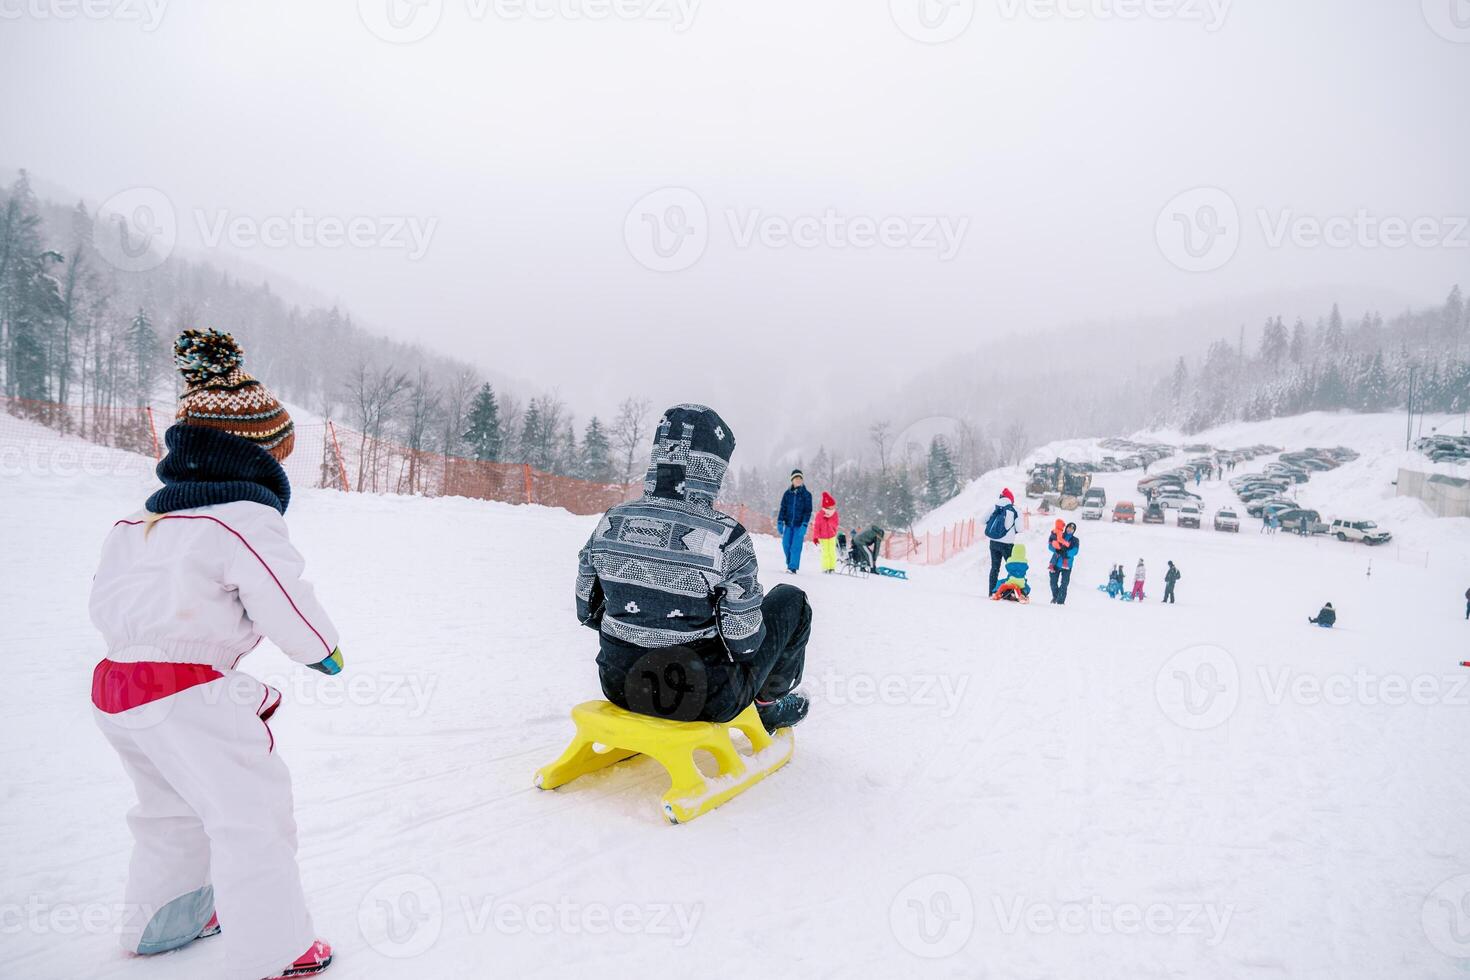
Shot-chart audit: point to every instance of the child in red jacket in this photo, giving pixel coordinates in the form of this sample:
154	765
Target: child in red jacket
824	532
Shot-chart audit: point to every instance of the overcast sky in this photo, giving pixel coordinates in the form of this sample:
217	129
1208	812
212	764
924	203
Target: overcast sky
742	199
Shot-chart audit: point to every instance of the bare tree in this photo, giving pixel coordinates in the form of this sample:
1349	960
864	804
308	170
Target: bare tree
372	395
459	393
878	433
630	431
1013	443
425	408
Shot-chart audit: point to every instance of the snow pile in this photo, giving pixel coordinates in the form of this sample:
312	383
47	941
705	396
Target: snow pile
1213	789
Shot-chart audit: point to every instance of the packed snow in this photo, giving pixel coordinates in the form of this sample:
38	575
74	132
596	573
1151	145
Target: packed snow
1210	789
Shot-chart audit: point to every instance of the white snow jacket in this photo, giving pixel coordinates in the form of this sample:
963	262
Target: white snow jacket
1013	520
1138	572
203	586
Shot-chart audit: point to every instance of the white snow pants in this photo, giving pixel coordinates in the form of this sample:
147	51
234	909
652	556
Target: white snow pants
214	808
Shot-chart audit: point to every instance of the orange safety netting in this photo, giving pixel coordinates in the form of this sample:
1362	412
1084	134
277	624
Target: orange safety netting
334	457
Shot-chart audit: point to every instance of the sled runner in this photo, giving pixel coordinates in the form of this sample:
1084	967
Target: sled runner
606	735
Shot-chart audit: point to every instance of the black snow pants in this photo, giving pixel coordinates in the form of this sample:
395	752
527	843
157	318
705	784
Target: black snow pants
1059	579
698	682
999	552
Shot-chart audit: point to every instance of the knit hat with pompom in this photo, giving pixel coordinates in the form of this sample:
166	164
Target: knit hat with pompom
220	395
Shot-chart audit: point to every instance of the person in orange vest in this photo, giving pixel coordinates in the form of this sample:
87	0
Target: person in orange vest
824	532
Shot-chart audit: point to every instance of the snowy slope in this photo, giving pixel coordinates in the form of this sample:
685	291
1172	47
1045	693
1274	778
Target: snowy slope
982	789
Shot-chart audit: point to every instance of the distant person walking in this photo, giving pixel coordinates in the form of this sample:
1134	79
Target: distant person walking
1001	528
793	517
1467	603
1138	576
824	532
1170	577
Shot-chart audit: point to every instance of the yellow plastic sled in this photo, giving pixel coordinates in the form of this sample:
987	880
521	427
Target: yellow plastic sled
606	735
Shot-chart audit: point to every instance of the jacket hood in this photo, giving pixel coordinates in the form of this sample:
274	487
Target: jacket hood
692	447
1018	553
828	500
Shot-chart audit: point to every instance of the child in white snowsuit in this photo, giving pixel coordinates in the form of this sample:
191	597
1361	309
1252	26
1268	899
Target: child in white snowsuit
1138	582
184	590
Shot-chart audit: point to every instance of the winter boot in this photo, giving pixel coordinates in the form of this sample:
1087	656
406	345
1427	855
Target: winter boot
309	963
783	712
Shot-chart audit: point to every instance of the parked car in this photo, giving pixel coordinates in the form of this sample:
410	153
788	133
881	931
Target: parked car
1174	499
1364	531
1301	519
1093	505
1258	508
1153	514
1189	516
1123	512
1226	520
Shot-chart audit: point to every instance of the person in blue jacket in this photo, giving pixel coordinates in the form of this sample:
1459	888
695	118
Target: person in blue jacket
792	519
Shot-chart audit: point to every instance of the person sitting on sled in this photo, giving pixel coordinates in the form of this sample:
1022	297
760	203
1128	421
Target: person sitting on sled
1014	587
672	587
184	590
1326	618
824	532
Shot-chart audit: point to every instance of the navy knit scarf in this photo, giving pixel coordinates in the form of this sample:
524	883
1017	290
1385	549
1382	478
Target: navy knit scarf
206	466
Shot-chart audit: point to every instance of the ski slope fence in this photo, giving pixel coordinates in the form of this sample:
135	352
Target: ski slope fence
327	456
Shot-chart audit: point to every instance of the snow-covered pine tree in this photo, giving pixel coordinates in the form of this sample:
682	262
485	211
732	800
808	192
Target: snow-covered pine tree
483	434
